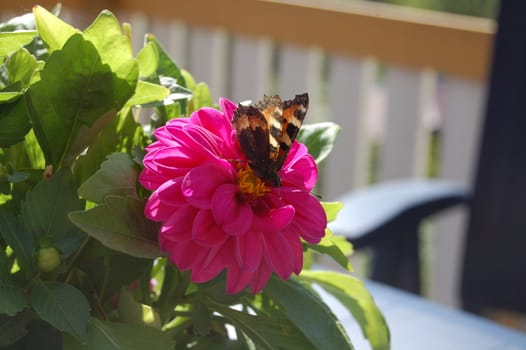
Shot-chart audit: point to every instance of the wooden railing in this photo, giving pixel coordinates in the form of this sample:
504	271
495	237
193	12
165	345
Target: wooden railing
390	76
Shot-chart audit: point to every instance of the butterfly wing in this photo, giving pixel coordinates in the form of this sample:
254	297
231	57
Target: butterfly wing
294	112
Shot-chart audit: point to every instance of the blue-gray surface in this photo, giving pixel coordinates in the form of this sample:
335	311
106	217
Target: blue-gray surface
417	324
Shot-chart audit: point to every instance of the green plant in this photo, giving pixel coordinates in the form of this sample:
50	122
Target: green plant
76	250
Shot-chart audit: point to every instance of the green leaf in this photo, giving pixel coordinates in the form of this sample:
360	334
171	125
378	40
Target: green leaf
117	176
166	67
148	58
119	336
332	209
173	289
53	31
309	313
64	100
201	96
115	50
354	296
131	311
12	41
267	331
19	239
63	306
337	247
14	122
20	66
146	93
120	224
14	328
12	299
319	139
46	207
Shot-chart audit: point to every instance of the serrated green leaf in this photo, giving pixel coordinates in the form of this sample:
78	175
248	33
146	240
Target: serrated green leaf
354	296
63	306
19	239
65	100
12	299
119	336
46	206
319	139
309	313
14	122
332	209
115	50
11	41
117	176
53	31
120	224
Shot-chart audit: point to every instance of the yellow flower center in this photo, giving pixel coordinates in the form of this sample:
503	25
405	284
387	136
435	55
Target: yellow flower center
249	184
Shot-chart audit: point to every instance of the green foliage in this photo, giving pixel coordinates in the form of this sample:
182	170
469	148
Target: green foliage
76	249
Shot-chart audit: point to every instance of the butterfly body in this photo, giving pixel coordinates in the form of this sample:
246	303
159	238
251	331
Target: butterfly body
266	131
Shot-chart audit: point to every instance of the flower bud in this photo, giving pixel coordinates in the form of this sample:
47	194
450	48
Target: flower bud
48	259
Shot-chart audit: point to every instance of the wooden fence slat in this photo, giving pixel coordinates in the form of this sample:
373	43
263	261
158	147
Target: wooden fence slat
462	107
405	148
350	83
251	68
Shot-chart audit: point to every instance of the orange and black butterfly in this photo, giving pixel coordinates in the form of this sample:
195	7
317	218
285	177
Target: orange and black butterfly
266	131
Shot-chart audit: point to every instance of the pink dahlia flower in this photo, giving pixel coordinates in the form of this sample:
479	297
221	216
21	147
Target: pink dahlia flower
216	214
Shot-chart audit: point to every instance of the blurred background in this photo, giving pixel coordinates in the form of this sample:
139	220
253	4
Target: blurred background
405	79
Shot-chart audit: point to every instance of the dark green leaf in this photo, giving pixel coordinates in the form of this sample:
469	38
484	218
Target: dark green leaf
352	294
53	31
65	100
319	139
117	176
46	207
63	306
120	224
272	331
14	328
131	311
12	299
19	239
12	41
308	312
14	122
174	287
119	336
201	317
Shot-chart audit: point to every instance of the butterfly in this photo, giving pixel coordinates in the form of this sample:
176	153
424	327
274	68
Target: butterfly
266	131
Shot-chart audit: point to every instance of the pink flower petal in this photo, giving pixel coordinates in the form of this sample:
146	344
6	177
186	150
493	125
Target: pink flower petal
178	227
200	184
273	220
236	280
278	254
170	194
310	218
260	277
249	249
187	255
235	215
206	232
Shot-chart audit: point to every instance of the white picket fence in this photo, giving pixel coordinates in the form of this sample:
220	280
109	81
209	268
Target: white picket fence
394	105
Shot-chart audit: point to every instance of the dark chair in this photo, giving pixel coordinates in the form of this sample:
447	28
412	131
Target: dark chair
386	216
